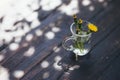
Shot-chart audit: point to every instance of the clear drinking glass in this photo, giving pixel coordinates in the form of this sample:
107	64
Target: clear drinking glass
79	44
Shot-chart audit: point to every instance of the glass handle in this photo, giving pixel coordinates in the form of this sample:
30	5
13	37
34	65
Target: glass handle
71	28
65	41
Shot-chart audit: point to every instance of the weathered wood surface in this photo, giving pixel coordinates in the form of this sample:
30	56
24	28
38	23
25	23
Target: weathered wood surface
41	58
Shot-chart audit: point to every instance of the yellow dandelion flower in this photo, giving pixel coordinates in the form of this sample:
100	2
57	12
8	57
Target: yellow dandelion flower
74	16
92	27
80	21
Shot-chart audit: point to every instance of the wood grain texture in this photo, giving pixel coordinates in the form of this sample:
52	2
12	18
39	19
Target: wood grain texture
86	72
43	64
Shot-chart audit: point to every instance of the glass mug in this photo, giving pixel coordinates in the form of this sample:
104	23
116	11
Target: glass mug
79	44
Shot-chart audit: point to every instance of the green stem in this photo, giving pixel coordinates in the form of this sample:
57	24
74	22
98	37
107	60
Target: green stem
76	56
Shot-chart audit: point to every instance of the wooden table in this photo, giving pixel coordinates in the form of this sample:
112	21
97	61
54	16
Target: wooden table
43	58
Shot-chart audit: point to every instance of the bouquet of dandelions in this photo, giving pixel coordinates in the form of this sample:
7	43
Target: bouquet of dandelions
82	30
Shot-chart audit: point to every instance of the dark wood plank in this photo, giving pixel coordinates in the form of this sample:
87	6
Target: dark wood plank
41	70
42	25
98	8
113	71
3	46
98	39
20	63
29	63
38	76
45	23
100	58
7	52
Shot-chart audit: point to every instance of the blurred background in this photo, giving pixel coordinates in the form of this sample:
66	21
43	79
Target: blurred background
17	18
28	27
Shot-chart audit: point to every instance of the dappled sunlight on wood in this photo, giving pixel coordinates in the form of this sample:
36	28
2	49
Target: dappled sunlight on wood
39	32
55	29
48	5
18	74
1	57
74	67
57	58
20	32
52	24
50	35
44	64
13	46
29	37
71	8
56	49
32	16
55	65
4	73
30	52
105	4
18	39
46	75
91	8
101	0
7	38
34	30
25	45
35	24
86	2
